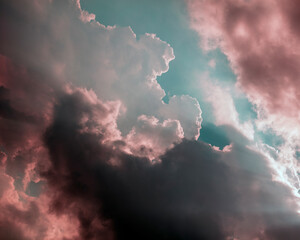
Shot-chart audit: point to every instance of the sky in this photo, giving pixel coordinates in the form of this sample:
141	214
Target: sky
139	119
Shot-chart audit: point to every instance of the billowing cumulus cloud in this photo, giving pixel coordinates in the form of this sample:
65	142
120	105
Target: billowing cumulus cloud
50	49
89	150
151	138
110	60
49	46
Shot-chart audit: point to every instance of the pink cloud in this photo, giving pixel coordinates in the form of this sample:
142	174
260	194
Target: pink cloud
150	138
86	196
53	53
261	40
262	45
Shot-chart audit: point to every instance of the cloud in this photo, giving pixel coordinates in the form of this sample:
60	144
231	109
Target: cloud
47	47
149	138
223	106
261	42
194	192
78	102
187	110
109	60
53	49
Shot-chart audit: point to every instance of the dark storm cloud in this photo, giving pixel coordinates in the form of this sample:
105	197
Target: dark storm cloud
9	231
7	111
171	200
194	193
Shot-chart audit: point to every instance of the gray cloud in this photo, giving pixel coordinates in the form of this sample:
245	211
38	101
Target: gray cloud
194	193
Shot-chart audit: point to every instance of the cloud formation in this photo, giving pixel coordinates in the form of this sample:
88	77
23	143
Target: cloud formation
109	60
194	192
50	49
81	113
261	42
